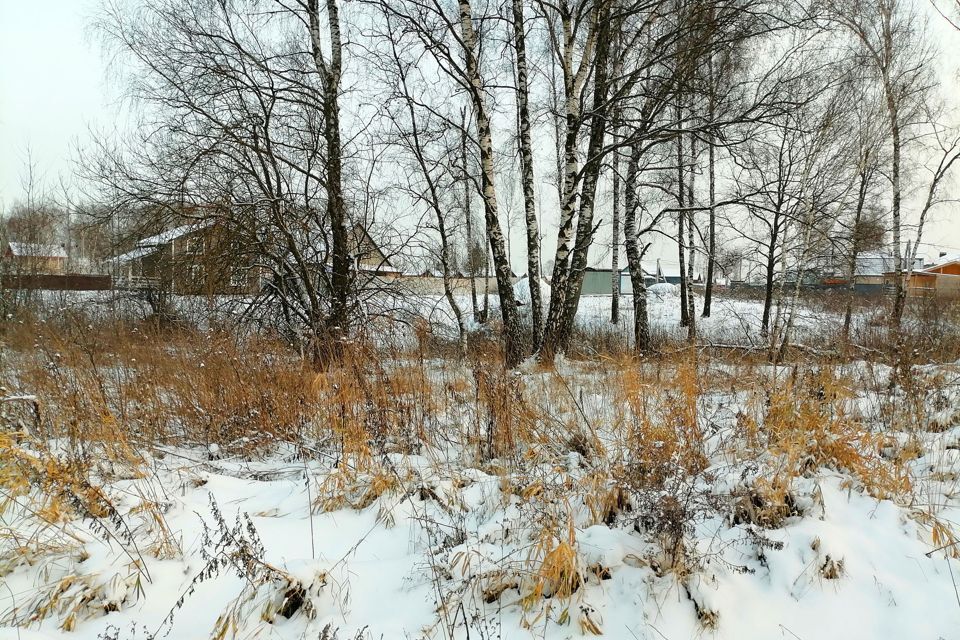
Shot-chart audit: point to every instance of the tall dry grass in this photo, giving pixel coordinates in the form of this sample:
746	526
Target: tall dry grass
615	441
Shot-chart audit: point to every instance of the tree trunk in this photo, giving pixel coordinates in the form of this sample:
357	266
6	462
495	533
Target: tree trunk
691	245
468	217
485	312
513	348
712	187
558	334
336	207
771	268
573	82
795	297
641	325
433	198
526	175
855	249
681	218
901	293
615	245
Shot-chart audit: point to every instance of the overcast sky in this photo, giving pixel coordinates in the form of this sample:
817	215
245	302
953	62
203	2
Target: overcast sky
54	86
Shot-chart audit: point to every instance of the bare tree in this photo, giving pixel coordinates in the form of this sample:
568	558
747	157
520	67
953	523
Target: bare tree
451	40
526	170
330	69
890	39
475	259
414	134
242	125
866	230
615	243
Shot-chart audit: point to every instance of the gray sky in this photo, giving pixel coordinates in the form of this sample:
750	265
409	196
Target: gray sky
54	86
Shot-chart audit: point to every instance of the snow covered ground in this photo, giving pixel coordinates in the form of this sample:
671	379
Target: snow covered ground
733	321
436	541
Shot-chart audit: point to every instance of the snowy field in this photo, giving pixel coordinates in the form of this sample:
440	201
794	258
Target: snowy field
732	322
670	500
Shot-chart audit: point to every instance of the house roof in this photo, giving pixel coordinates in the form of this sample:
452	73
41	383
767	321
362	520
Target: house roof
875	263
170	235
35	250
151	244
359	229
943	261
669	269
136	254
647	270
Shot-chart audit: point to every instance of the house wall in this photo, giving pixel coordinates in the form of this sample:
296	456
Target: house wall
34	264
213	261
920	284
948	286
206	262
433	285
951	269
596	283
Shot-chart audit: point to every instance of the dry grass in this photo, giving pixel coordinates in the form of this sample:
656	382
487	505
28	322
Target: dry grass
612	441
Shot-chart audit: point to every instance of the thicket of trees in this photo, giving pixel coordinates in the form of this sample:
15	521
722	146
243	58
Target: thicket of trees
792	130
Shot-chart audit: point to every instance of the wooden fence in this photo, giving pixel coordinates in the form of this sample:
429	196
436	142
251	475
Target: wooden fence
56	281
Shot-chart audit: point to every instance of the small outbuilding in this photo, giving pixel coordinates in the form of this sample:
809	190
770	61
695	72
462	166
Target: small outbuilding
31	257
938	280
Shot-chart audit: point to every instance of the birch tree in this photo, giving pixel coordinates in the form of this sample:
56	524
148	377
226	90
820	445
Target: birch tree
526	170
435	184
450	39
890	39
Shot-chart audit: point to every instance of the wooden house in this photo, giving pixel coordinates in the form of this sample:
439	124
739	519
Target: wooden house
189	259
35	258
206	258
939	280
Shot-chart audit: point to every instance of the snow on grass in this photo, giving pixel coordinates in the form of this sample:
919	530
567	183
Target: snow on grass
614	514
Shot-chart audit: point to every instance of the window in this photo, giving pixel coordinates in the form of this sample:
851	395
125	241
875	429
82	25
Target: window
195	245
196	273
238	278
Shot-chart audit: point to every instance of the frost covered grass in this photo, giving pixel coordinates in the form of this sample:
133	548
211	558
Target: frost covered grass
176	484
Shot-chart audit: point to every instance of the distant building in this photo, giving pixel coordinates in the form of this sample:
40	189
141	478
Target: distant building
207	258
938	280
175	260
669	272
868	275
29	257
599	281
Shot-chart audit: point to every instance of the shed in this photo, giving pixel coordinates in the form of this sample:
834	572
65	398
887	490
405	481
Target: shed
599	281
32	257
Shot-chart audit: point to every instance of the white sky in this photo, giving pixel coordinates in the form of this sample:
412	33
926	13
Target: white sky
54	87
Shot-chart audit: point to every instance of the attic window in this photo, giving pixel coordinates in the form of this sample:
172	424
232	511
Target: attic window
238	278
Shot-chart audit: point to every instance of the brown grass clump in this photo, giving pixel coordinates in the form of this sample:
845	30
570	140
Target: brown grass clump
766	503
95	382
808	425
